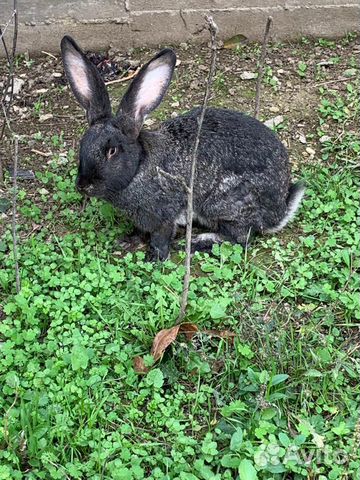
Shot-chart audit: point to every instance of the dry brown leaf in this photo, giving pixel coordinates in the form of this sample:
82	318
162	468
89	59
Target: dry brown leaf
188	329
235	41
139	365
167	336
220	333
162	340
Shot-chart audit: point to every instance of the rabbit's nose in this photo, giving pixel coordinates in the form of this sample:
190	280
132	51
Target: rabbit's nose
83	184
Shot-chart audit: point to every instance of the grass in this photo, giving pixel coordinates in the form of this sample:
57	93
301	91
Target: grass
281	402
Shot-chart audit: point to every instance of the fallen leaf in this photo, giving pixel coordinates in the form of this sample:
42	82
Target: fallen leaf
324	138
162	340
220	333
235	41
45	117
189	330
167	336
139	365
310	151
302	138
17	86
248	75
274	122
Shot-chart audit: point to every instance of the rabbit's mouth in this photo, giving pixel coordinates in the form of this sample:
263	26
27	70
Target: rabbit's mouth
85	187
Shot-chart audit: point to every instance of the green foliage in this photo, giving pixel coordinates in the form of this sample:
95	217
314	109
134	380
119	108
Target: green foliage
302	69
270	78
282	401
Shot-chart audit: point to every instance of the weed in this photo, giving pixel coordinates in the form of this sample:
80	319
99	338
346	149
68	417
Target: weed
302	69
325	43
219	81
271	79
39	106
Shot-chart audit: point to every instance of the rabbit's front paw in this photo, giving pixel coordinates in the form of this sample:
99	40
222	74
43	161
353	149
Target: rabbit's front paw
155	254
204	242
160	243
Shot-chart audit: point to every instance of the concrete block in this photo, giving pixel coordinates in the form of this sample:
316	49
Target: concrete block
95	37
288	23
96	24
150	5
317	3
153	28
34	12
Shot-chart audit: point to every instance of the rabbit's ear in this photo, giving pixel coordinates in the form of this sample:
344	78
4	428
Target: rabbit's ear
85	81
147	90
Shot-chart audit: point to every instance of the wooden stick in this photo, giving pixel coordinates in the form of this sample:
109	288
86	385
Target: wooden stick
189	215
123	79
10	78
42	154
261	67
328	82
14	235
49	54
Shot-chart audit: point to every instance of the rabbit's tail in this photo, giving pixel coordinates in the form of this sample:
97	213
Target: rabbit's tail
295	195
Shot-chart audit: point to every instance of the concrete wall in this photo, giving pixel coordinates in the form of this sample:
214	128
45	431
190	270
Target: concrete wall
131	23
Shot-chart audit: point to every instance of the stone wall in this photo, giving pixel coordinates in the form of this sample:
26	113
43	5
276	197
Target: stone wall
133	23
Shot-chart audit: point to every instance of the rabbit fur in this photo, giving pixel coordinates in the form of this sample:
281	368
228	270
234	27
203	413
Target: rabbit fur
242	184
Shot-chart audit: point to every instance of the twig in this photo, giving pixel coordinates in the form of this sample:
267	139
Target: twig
123	79
42	154
49	54
261	67
189	214
15	252
315	85
2	32
10	79
173	177
6	119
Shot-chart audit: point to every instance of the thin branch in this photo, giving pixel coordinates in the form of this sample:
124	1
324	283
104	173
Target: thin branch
42	154
175	178
2	31
189	214
338	80
49	54
16	24
123	79
10	80
4	45
6	119
261	67
14	235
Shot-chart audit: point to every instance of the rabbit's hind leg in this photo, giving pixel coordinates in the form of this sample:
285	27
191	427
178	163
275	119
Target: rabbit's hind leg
236	232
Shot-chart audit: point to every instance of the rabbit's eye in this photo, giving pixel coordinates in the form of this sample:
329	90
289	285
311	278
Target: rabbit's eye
111	152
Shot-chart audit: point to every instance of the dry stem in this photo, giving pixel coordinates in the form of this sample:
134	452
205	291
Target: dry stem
189	215
10	79
261	67
14	236
124	79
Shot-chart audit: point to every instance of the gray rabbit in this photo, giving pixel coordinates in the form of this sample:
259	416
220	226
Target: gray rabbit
242	183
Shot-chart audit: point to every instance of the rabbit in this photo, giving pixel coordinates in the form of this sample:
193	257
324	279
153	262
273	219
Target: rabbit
242	183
